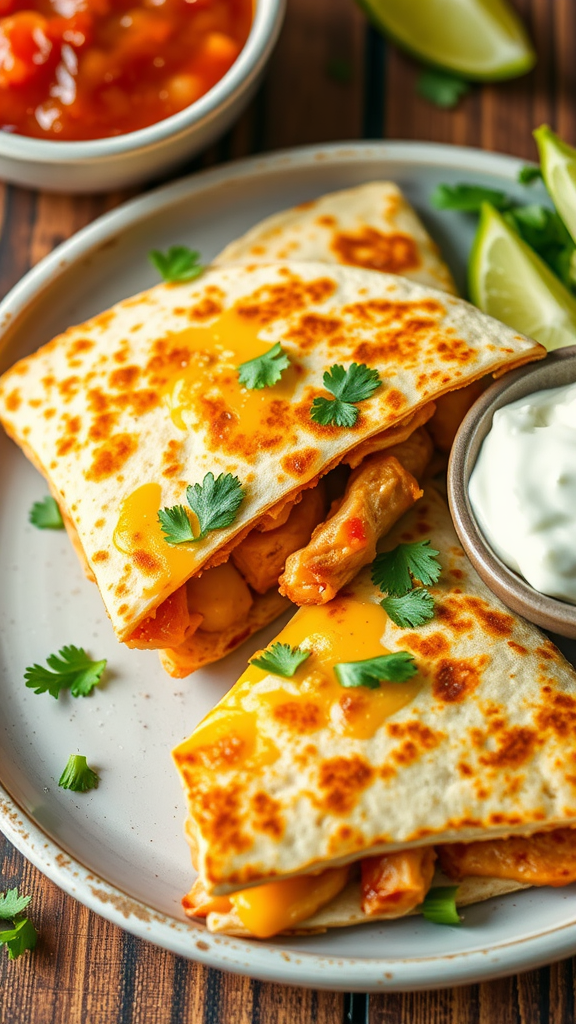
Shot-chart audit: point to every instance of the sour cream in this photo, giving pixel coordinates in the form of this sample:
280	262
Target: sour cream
523	489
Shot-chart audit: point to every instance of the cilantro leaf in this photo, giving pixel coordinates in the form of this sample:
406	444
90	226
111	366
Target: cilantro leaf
176	525
388	668
215	503
333	412
355	384
547	234
414	609
72	670
529	174
281	659
439	905
441	88
393	571
468	198
46	515
265	370
11	904
78	776
20	937
179	263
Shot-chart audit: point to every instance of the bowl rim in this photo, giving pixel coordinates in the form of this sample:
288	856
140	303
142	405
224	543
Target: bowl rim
547	612
264	31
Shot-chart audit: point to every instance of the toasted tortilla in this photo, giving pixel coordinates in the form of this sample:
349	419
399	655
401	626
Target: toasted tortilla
123	412
370	226
291	776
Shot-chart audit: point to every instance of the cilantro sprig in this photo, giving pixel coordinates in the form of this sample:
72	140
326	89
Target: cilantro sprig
354	384
177	264
385	668
441	88
46	515
411	610
72	670
528	174
539	226
78	776
395	572
439	905
281	659
264	370
215	503
20	934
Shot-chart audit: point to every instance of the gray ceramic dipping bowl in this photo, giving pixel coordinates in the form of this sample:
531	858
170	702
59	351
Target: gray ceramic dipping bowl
558	369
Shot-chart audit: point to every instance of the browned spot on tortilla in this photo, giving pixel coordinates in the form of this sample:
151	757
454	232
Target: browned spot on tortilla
456	678
393	253
124	378
267	815
299	463
517	648
494	622
343	779
275	301
431	646
416	737
146	562
205	309
514	746
449	611
557	713
108	458
300	716
312	328
100	556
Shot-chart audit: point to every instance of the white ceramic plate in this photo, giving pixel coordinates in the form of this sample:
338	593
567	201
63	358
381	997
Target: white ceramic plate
120	849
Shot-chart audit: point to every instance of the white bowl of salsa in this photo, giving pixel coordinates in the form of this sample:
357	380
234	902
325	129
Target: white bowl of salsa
98	95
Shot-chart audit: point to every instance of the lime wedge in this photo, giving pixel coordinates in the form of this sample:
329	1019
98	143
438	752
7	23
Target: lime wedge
478	39
558	163
509	281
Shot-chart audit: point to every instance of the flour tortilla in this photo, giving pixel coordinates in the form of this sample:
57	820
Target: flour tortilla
92	409
370	226
484	749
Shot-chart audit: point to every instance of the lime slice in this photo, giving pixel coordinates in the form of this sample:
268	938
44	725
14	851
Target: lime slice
558	162
478	39
509	281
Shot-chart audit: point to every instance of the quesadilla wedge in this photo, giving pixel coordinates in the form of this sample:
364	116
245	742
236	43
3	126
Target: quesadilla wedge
164	452
321	795
370	226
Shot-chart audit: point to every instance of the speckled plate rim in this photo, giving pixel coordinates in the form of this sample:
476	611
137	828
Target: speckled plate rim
258	959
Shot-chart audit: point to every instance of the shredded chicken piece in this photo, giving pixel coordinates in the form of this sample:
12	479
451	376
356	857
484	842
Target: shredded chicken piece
261	556
396	882
378	493
168	626
387	439
546	858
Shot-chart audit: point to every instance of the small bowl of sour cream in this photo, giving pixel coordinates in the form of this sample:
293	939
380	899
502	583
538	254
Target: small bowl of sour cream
512	490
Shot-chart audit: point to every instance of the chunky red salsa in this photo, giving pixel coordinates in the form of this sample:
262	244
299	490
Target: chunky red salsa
85	69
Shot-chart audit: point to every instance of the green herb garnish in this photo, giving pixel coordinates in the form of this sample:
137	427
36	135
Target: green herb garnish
21	934
11	904
46	515
439	905
414	609
529	174
468	198
441	88
394	571
179	263
281	659
354	384
78	776
215	502
72	670
265	370
386	668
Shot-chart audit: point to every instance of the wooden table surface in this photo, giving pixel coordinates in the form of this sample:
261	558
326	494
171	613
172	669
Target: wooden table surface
84	970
